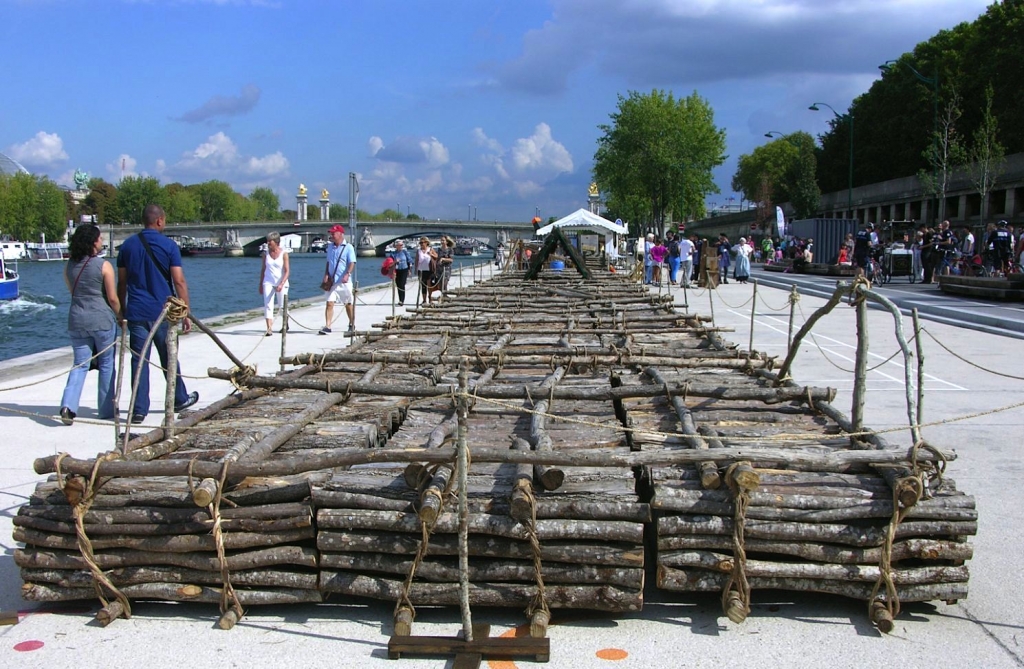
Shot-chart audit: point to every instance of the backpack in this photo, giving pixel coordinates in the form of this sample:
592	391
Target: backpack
673	249
387	268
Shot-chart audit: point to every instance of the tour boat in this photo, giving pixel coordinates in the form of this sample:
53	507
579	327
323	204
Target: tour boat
8	278
47	251
466	247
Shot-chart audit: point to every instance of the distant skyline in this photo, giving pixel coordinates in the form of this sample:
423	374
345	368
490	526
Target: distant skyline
439	107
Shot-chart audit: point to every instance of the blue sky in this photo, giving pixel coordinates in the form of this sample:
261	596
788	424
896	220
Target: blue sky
437	106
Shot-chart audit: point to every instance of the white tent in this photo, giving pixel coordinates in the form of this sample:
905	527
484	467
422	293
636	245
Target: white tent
581	218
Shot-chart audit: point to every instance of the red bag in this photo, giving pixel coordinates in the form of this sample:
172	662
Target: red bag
388	267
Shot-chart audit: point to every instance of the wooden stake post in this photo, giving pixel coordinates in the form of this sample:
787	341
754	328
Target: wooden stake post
475	643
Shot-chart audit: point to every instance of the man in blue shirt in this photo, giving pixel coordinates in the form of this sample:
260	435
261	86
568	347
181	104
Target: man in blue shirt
340	272
403	262
148	272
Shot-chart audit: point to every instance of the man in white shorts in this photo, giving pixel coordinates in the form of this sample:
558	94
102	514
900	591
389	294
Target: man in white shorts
340	271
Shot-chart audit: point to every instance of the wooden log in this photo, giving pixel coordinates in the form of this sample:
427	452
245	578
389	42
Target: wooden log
297	556
601	597
336	499
175	544
446	570
144	515
404	617
850	535
607	553
763	394
161	529
780	494
549	477
709	476
723	563
864	510
173	592
614	530
432	497
582	458
228	619
521	500
110	613
697	580
916	549
277	578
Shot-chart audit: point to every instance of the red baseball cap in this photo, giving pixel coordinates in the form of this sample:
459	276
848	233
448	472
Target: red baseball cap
336	228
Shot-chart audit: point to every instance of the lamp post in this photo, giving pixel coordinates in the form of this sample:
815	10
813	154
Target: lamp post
887	67
771	134
849	119
469	212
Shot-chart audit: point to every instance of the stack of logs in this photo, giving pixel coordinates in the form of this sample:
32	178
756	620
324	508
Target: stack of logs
597	373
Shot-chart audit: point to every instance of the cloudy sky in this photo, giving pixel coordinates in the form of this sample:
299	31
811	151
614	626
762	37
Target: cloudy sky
437	106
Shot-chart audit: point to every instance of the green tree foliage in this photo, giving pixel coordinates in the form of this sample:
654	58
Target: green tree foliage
241	208
657	156
896	118
101	201
780	171
268	205
32	205
134	194
338	212
986	154
215	200
945	153
183	205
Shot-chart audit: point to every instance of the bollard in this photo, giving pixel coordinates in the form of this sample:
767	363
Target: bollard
753	311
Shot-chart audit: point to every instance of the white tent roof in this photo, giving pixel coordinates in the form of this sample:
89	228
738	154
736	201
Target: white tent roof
581	218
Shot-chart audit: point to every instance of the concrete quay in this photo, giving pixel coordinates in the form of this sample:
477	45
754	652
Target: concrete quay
783	630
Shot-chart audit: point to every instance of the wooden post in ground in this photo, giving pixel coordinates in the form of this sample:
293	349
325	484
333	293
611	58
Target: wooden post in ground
172	378
860	368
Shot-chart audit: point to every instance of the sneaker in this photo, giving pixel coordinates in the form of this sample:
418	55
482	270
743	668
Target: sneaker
138	418
324	331
351	328
269	334
193	397
67	416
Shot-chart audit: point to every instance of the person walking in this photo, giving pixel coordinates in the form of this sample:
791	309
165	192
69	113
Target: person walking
426	258
148	272
339	275
743	251
686	252
445	258
724	252
403	263
274	280
92	322
674	259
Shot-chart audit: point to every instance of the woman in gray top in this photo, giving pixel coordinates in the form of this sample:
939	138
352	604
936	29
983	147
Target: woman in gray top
92	324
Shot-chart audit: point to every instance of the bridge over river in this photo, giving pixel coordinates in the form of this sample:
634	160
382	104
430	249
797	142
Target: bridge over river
248	235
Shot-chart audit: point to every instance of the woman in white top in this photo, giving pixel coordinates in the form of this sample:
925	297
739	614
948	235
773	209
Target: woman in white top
742	271
274	279
425	256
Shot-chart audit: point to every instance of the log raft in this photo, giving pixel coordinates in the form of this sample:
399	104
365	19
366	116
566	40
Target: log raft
598	414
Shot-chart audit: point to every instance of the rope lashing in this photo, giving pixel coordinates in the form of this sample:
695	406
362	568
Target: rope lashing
539	602
177	310
905	495
736	593
228	597
240	376
81	494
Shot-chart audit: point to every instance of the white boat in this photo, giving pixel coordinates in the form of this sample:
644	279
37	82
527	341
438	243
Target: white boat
466	247
8	279
12	250
47	251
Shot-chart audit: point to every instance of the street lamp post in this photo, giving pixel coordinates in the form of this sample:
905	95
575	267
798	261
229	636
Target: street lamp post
887	66
849	119
469	212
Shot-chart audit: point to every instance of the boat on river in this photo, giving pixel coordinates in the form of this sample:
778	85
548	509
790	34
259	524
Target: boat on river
466	247
202	248
44	251
8	278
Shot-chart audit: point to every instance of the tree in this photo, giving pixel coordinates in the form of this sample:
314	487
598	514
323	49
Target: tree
19	215
53	210
986	154
657	156
944	154
215	198
101	201
783	170
183	205
338	212
134	194
268	206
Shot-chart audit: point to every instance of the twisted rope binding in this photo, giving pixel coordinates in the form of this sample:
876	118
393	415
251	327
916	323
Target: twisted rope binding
228	597
539	602
891	603
736	593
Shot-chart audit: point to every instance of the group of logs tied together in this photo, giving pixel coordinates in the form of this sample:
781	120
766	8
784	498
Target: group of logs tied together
594	414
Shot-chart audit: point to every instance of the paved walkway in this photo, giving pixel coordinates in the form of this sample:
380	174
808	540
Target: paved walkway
783	630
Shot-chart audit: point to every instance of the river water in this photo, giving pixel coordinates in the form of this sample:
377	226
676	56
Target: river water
37	321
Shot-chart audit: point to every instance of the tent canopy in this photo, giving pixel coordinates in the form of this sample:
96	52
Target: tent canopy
581	218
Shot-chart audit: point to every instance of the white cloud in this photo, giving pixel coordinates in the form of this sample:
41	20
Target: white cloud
219	157
410	150
541	153
44	150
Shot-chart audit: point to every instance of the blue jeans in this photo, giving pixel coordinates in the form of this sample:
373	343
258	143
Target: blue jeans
648	272
82	343
673	267
137	333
